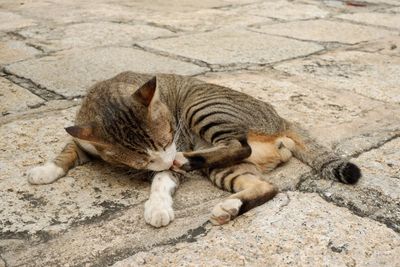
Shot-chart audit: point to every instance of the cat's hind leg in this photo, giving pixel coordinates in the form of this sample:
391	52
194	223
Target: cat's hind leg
158	208
69	157
267	151
244	179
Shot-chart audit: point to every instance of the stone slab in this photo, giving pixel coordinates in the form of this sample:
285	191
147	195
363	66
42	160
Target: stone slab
70	73
284	10
389	2
325	31
294	229
373	75
394	10
380	19
91	34
14	98
177	5
10	21
382	169
55	12
387	46
233	47
377	194
12	51
202	20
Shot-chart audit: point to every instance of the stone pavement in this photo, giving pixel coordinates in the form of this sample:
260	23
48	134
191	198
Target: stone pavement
332	65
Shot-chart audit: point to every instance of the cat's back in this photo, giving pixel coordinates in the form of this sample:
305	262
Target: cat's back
122	86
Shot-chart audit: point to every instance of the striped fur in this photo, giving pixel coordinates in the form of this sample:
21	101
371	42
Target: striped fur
131	119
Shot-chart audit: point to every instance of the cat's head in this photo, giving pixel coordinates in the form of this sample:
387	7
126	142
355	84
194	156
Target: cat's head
137	131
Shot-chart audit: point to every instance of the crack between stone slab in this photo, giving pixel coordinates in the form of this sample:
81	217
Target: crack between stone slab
235	66
37	47
390	224
35	114
16	35
189	237
197	62
232	6
378	51
337	19
348	204
375	146
5	262
32	87
322	43
326	51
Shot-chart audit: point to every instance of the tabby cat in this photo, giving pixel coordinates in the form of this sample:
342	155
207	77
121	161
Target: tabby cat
132	120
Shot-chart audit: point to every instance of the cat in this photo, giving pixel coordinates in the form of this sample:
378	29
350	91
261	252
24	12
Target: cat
132	120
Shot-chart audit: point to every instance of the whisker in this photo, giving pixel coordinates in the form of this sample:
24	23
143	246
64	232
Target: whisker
178	129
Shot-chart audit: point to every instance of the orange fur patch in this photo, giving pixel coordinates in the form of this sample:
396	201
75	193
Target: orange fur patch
266	153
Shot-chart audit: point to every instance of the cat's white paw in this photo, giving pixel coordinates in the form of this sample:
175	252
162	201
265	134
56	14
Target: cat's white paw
225	211
45	174
158	211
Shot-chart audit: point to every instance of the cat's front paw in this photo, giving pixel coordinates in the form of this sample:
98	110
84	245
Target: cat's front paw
158	212
225	211
45	174
188	163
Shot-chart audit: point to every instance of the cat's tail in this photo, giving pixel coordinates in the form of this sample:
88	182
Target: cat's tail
323	160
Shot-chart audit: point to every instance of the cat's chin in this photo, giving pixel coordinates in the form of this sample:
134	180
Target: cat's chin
158	168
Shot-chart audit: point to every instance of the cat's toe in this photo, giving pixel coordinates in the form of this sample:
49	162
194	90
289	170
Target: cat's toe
225	211
45	174
157	213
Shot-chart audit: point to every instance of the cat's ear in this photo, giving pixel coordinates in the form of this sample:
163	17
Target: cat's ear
146	92
83	132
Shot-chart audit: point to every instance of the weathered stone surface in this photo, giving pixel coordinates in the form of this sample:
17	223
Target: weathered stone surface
177	5
283	9
376	195
12	51
382	169
228	47
294	229
325	31
394	10
372	75
203	19
387	46
11	21
389	2
56	12
14	98
91	34
381	19
356	145
70	73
